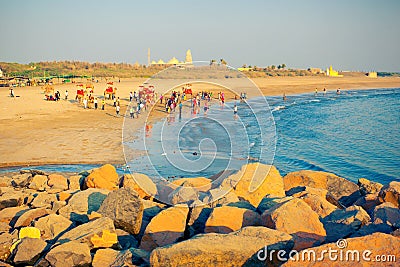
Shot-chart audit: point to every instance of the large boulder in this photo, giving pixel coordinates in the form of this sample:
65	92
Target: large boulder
343	223
269	202
21	180
11	215
341	189
125	208
39	183
28	217
28	251
387	213
141	183
317	203
234	249
85	232
227	219
284	217
368	202
51	226
368	187
220	196
105	177
255	181
165	228
198	217
75	182
131	257
352	249
391	193
11	199
81	204
58	182
43	200
200	183
6	242
72	253
182	195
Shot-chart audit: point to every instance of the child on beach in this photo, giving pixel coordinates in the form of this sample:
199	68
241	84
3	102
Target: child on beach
66	94
95	103
131	111
117	110
103	103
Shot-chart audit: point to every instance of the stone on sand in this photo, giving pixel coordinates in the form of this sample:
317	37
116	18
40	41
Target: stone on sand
39	183
57	181
43	200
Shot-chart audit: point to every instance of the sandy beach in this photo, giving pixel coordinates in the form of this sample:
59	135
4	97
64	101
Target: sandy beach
36	132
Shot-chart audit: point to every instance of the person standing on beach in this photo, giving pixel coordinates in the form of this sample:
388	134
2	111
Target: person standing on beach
118	101
115	102
316	91
95	103
117	110
284	97
324	91
130	97
103	103
85	103
180	109
131	111
66	94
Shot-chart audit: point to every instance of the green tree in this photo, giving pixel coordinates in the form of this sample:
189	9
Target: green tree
283	66
273	67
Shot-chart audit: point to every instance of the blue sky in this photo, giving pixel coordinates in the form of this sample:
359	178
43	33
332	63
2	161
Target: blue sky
351	35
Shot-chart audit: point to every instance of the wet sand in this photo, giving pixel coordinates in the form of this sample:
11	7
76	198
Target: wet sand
37	132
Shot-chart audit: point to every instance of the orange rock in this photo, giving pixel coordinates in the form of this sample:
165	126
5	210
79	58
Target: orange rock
64	196
141	183
313	179
317	203
254	181
105	177
106	240
202	184
295	217
57	181
391	193
165	228
227	219
31	215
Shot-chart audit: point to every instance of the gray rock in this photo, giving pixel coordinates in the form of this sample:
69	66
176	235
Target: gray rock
182	195
21	180
72	253
368	187
125	208
387	213
28	251
127	258
81	204
11	199
126	240
343	223
343	190
28	217
371	228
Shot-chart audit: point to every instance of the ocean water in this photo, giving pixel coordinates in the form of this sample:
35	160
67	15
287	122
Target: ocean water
354	134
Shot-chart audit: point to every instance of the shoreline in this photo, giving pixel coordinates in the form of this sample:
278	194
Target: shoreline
48	133
144	117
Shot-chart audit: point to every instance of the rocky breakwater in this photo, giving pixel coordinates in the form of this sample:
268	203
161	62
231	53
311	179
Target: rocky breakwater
97	218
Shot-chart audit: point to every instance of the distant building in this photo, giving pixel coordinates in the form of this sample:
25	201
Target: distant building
245	69
332	73
174	60
315	70
372	74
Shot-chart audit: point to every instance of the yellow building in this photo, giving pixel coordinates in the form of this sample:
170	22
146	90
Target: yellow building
174	60
332	73
372	74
